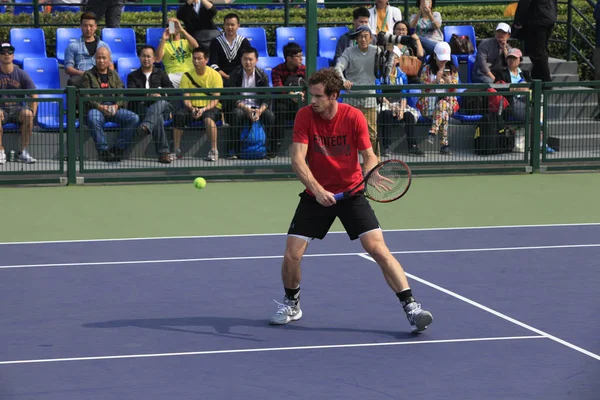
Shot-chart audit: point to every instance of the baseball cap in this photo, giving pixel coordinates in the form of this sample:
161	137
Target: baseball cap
504	27
360	29
7	46
442	51
515	53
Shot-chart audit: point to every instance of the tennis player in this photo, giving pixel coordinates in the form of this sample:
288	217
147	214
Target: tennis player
327	139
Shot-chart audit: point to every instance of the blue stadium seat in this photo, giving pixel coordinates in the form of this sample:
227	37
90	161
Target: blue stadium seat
49	116
470	65
257	38
28	43
65	36
267	64
322	62
153	36
2	9
59	9
23	9
43	72
328	38
137	8
285	35
461	30
125	66
121	41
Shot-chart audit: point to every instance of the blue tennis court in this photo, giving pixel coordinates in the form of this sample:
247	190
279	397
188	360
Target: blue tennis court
515	317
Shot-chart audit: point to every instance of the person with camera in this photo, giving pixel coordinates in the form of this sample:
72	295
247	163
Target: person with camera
427	25
175	51
394	110
439	70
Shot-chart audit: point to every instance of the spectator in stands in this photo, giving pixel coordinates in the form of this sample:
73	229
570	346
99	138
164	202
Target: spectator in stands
225	49
249	109
197	16
439	69
491	55
401	29
199	109
112	9
175	52
427	25
98	113
289	73
513	74
597	51
395	110
156	109
357	66
360	17
79	56
12	77
382	17
535	19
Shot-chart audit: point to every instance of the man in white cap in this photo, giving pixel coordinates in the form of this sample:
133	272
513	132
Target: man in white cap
357	66
491	55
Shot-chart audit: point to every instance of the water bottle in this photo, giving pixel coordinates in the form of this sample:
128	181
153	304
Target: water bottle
12	156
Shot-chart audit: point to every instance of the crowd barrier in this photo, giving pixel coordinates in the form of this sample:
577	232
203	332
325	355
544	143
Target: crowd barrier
560	133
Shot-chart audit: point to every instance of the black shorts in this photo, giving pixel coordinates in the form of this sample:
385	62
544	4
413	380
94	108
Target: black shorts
313	220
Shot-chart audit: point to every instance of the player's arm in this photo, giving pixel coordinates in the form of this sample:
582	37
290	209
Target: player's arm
298	153
369	159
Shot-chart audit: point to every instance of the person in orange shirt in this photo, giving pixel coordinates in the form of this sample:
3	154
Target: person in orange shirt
383	17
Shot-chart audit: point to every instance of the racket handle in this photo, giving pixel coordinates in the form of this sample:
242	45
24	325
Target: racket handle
338	196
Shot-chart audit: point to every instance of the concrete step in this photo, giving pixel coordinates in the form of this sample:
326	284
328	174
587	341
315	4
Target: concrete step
571	111
581	143
583	95
565	78
557	66
581	127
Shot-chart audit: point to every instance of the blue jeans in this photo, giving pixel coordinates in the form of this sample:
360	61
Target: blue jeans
154	120
428	44
127	120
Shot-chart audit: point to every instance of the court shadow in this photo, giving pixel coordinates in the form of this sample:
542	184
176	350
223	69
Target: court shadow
222	326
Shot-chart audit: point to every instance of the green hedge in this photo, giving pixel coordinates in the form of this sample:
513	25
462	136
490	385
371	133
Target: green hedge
270	19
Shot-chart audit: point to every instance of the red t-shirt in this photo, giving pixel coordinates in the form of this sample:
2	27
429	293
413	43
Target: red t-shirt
333	145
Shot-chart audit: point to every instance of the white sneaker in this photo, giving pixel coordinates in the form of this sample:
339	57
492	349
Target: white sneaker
212	155
287	311
2	157
26	158
418	318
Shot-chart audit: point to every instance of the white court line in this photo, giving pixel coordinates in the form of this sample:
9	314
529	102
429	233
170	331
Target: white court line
283	234
496	313
186	260
261	350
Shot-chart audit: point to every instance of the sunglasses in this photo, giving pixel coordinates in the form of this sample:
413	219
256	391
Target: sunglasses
3	52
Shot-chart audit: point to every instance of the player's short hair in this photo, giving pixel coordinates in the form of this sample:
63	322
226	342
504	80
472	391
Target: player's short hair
330	78
202	49
360	12
291	49
88	15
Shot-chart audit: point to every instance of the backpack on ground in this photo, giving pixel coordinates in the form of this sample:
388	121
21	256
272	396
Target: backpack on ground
492	136
253	142
473	105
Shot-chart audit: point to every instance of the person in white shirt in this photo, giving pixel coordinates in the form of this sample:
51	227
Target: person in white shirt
383	17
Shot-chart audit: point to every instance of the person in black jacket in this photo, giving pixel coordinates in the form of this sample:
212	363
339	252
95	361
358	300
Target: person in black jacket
535	19
150	77
513	74
250	109
197	16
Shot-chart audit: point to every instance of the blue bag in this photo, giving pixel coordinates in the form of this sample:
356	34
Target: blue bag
253	142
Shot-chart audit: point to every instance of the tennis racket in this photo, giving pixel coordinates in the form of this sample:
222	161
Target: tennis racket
387	181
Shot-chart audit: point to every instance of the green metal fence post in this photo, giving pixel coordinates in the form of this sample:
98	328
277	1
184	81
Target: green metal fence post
164	13
311	37
569	29
536	124
71	136
286	13
36	13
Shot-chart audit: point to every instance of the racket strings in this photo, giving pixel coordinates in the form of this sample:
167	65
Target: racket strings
388	182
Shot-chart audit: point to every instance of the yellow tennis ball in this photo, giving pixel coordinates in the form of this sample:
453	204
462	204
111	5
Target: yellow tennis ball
199	183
